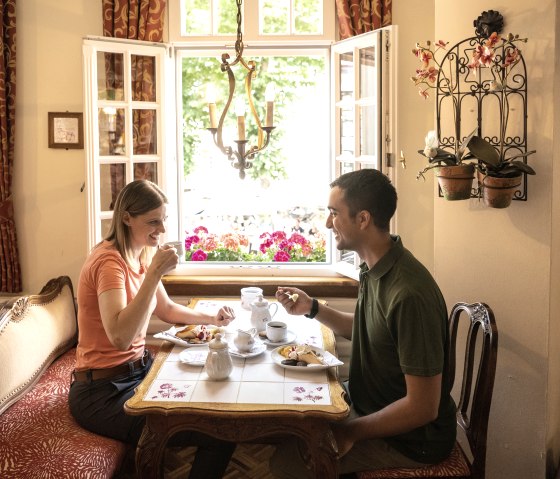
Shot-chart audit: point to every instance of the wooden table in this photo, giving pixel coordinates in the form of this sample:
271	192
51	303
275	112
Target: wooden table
260	401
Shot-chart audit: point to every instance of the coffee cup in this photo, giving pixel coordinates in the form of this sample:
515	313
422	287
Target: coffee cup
179	246
276	331
248	295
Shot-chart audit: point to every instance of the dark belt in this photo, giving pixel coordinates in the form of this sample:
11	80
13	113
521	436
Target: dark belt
120	370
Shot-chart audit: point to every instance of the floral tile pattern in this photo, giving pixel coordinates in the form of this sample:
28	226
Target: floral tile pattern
305	393
163	390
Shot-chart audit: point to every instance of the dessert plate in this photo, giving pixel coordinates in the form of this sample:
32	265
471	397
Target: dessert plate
329	360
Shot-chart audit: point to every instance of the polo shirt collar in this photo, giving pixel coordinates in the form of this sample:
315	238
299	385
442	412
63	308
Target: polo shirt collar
384	265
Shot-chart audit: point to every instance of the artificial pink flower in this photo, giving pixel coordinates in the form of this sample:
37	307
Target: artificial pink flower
199	255
441	44
492	40
198	229
512	57
281	257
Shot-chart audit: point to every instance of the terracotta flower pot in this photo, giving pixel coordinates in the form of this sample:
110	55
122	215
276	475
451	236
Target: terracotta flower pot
498	192
456	181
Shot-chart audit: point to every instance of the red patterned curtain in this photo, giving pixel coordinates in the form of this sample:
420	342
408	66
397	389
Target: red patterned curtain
361	16
138	20
10	271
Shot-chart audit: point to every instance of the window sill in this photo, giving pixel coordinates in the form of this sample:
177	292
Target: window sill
230	285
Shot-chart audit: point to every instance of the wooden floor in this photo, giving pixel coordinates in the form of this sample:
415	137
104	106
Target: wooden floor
250	461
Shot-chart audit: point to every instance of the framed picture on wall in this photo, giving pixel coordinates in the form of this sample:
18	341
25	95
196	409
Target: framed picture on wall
66	130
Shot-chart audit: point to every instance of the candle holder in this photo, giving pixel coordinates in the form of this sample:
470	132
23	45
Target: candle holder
240	158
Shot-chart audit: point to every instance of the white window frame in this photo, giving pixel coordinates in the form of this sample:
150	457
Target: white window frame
170	170
164	159
250	27
383	40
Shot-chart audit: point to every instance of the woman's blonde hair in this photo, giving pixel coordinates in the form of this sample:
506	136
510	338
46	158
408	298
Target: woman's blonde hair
136	198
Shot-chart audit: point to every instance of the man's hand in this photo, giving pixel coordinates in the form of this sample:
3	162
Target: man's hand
343	440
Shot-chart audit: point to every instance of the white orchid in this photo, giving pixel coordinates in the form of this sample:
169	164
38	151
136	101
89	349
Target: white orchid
432	143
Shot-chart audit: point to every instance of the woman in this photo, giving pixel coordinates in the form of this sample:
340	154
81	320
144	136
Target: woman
118	291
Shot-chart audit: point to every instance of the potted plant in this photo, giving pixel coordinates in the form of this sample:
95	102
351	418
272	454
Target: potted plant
455	177
501	162
498	177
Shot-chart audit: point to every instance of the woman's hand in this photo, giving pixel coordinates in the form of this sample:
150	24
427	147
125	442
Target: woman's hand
224	316
294	300
164	261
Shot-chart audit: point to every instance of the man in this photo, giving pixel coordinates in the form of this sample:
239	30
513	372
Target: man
402	414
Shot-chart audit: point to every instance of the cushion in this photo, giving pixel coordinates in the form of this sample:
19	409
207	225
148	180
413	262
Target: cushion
33	333
455	465
40	438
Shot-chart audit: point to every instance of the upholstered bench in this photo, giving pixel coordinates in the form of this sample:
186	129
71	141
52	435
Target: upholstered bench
38	435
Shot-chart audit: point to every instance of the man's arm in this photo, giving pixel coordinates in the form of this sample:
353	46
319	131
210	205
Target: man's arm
419	407
339	322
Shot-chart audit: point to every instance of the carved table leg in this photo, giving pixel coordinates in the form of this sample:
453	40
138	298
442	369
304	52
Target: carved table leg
150	451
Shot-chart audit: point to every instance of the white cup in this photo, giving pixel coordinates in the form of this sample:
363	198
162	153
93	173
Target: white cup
276	331
179	246
248	295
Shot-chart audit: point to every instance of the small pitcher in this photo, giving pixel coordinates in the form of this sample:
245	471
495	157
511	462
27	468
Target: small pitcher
245	340
218	362
261	314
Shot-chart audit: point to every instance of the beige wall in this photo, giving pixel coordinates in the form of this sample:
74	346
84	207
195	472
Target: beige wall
49	207
505	258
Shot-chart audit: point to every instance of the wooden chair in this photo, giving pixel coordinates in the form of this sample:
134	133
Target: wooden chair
474	420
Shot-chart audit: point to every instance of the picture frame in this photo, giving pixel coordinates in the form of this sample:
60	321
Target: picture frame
66	130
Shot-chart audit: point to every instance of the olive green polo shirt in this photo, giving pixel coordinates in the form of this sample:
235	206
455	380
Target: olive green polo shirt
400	327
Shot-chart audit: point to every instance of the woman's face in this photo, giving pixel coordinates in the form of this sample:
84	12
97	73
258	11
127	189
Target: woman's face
145	229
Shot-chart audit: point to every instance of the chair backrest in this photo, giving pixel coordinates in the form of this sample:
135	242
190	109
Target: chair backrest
474	421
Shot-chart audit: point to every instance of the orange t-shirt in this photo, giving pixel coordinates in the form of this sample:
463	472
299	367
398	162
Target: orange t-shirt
103	270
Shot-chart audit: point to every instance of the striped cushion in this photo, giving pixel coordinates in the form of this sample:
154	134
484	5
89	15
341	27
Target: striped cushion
456	465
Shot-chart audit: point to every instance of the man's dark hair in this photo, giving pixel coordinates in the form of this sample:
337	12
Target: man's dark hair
369	190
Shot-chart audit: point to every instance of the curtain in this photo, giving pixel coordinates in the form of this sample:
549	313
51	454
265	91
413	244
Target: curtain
361	16
138	20
10	271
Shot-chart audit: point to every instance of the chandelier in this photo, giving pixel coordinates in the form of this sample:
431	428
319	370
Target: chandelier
241	156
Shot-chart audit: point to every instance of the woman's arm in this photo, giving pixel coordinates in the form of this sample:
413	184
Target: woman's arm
175	313
123	322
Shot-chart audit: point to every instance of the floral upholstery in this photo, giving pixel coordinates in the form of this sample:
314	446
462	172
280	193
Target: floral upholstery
455	465
40	438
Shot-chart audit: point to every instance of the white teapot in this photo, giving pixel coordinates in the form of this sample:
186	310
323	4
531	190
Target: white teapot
218	361
260	313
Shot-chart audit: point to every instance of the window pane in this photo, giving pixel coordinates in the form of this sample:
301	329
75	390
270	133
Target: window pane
274	18
276	198
105	225
226	17
112	178
111	131
144	127
110	76
146	171
143	78
367	130
347	143
367	72
308	16
346	67
197	17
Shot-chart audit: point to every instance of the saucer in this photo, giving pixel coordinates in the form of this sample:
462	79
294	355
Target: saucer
258	348
290	338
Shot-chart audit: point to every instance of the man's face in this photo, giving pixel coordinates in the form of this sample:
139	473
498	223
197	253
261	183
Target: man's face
344	226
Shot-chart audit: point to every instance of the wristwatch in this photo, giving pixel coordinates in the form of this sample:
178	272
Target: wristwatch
314	309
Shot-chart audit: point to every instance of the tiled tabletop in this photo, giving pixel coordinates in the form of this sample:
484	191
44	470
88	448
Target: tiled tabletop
254	380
